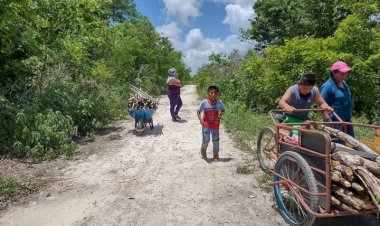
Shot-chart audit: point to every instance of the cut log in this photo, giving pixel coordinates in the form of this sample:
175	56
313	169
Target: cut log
348	198
347	138
374	167
347	158
357	187
335	201
368	205
334	163
343	206
141	100
341	147
337	177
346	171
351	159
370	182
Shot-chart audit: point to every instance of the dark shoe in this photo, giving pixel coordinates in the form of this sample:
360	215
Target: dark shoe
203	154
177	117
216	157
174	119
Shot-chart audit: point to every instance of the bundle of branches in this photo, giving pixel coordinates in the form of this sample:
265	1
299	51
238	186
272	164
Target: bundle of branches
141	100
356	182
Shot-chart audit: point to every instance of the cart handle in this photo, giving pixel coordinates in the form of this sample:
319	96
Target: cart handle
302	110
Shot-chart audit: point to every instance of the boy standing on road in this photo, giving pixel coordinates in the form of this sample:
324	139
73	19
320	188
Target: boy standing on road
212	109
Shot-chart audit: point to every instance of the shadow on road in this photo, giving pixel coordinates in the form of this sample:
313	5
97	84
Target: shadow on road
210	160
182	121
157	131
366	220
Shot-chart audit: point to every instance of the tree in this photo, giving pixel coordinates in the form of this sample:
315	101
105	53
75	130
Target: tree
277	21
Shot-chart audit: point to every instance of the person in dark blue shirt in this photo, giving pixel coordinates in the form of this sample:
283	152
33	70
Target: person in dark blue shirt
337	94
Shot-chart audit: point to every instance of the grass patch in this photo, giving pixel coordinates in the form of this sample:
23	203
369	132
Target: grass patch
245	126
11	190
264	179
246	169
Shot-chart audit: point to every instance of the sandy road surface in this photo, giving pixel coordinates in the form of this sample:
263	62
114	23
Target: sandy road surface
154	179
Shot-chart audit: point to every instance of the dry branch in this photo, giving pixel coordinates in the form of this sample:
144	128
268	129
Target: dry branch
141	100
348	139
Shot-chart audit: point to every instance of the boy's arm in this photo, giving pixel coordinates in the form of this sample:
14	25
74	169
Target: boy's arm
221	113
323	105
222	109
284	102
199	117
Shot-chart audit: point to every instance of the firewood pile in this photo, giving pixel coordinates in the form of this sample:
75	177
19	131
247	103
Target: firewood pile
355	175
141	100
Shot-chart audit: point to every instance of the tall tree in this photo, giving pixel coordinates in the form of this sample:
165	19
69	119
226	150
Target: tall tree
278	20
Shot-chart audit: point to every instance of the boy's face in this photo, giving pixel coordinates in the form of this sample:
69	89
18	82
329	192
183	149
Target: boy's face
213	94
304	90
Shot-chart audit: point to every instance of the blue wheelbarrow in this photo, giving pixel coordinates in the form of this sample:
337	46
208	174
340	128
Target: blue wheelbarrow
143	117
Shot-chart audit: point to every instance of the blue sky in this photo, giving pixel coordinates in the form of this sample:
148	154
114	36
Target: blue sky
199	28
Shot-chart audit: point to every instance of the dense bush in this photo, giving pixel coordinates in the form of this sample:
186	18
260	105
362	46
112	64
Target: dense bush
65	70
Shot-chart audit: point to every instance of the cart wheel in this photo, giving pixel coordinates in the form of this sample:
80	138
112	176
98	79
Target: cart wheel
151	124
140	124
293	167
266	149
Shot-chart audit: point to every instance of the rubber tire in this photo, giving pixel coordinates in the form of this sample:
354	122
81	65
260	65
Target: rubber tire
151	124
309	181
260	154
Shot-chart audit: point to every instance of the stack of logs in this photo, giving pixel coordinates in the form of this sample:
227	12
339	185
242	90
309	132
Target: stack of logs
141	100
355	175
356	183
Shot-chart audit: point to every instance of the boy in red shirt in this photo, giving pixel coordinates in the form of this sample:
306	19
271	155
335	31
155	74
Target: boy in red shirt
212	109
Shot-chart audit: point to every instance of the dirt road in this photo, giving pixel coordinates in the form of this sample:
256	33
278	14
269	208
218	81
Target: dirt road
154	179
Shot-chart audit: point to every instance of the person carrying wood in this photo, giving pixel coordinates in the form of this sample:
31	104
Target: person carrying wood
174	92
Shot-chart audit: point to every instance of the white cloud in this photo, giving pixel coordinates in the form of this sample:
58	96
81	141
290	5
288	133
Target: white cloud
182	11
196	48
169	30
195	40
237	17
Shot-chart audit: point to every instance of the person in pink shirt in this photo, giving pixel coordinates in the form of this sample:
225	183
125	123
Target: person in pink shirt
209	113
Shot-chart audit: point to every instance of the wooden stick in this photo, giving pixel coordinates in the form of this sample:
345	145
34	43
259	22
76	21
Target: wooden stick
348	139
348	198
357	187
370	182
337	177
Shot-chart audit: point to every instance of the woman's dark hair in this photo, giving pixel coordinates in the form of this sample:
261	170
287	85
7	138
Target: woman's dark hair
212	88
307	79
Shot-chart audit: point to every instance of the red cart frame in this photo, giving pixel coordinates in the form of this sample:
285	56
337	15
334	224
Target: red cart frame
301	169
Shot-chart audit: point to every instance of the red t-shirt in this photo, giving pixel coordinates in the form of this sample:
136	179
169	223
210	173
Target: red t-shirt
210	113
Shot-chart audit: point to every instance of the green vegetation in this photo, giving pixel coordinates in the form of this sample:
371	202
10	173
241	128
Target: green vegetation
66	67
254	83
12	190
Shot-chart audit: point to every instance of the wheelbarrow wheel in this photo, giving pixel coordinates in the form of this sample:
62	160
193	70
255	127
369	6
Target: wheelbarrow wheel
291	166
266	149
139	126
151	124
